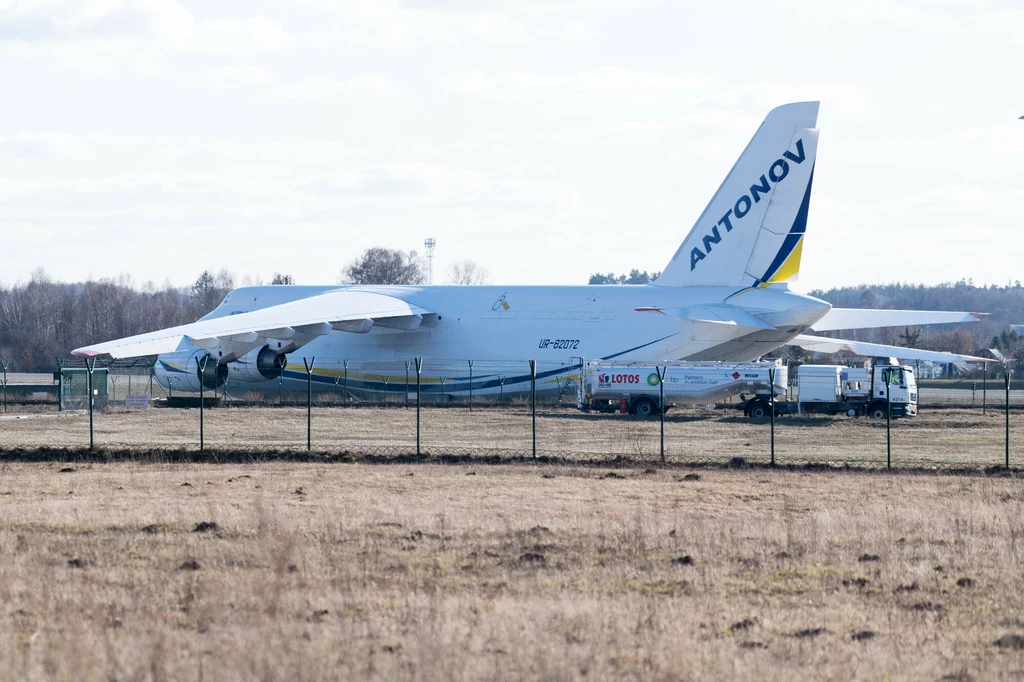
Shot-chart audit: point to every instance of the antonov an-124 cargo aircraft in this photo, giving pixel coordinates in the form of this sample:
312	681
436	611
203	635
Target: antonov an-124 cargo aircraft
723	296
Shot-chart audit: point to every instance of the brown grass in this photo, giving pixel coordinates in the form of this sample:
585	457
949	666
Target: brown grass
496	572
943	437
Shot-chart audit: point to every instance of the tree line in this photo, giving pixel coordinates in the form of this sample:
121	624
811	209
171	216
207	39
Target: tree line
634	277
43	319
1003	306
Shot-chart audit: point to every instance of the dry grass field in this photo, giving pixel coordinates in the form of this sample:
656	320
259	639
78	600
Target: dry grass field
943	437
428	572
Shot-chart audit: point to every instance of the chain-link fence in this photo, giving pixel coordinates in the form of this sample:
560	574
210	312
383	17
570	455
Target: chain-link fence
488	410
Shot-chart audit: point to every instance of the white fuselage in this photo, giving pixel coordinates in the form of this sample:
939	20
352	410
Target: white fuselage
549	324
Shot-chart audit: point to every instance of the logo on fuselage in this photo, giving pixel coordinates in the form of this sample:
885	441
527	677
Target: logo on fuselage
777	172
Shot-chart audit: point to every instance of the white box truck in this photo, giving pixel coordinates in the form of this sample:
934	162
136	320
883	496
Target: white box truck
836	389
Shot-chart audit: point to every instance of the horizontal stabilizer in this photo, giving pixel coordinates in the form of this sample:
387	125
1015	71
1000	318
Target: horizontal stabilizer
312	315
714	314
821	344
853	318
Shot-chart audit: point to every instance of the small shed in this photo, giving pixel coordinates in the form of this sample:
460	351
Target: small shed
73	393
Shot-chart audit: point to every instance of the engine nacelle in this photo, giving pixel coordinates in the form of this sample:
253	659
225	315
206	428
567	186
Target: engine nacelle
259	364
180	372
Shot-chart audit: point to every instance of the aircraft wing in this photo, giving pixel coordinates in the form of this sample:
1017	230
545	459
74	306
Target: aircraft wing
821	344
315	315
854	318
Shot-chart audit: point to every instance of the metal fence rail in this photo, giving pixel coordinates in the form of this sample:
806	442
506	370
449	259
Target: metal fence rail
478	409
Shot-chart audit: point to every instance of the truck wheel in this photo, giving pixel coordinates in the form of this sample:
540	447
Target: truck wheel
644	407
877	410
758	409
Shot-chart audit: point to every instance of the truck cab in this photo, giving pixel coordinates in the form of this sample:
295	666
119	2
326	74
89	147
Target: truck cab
902	389
868	386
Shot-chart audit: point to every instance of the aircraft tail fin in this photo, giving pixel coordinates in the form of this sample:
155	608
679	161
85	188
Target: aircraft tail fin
751	234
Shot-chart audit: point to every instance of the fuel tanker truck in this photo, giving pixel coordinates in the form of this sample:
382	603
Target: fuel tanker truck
880	387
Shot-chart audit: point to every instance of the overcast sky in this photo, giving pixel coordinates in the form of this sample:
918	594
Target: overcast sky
543	139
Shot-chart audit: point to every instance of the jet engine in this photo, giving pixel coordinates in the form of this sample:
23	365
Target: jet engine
180	371
259	364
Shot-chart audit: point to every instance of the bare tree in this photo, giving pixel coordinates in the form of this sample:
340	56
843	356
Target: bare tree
467	272
282	279
381	265
44	319
209	290
634	277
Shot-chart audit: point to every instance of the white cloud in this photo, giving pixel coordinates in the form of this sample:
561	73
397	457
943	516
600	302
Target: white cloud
322	87
764	95
604	79
970	197
494	125
50	146
997	140
40	20
241	36
931	16
235	76
141	37
371	25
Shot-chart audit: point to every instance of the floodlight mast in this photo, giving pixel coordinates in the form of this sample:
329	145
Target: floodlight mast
430	243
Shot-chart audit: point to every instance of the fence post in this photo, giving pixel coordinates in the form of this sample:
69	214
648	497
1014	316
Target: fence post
984	388
407	384
201	368
771	408
1007	380
60	384
90	365
533	403
419	375
5	364
662	371
888	421
387	379
309	401
501	390
470	385
346	382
